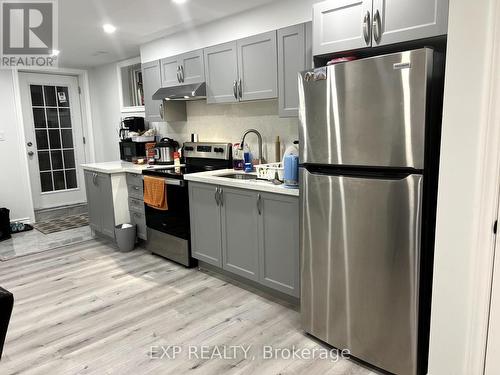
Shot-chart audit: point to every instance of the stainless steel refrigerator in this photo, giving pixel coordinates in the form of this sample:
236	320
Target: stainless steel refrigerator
363	138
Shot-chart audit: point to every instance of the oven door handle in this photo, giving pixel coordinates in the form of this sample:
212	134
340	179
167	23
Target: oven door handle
171	181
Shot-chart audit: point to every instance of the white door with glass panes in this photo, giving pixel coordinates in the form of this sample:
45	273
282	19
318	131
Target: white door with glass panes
54	138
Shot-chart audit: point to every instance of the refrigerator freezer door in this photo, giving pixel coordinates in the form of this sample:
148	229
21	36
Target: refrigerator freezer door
369	112
360	249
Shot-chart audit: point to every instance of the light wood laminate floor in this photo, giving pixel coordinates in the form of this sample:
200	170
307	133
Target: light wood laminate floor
88	309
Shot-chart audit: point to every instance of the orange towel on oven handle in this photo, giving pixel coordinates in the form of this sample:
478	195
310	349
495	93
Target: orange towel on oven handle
155	193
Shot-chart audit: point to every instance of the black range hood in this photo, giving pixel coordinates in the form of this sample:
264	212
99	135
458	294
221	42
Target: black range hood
194	91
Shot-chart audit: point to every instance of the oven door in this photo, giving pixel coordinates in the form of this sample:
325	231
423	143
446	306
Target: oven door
175	220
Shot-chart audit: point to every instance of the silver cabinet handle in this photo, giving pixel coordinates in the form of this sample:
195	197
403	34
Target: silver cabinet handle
235	89
221	197
377	26
178	74
217	196
259	202
161	110
182	73
240	90
366	28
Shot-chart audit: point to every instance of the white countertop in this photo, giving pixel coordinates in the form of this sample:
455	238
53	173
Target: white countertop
112	167
214	177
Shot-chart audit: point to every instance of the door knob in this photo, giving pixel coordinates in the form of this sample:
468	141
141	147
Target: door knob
31	153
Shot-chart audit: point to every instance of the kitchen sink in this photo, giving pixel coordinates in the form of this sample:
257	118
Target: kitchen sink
240	176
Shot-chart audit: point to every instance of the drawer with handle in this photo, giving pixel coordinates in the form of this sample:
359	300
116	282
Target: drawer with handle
134	179
139	219
136	190
136	205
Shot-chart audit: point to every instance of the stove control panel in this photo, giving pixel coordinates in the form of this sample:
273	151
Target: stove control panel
207	150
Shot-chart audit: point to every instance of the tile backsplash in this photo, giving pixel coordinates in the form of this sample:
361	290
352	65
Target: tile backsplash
228	122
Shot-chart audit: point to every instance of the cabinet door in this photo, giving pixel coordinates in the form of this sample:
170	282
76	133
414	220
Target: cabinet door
279	243
341	25
240	232
403	20
152	82
258	67
192	67
93	200
205	223
291	61
170	72
309	41
107	211
221	73
139	219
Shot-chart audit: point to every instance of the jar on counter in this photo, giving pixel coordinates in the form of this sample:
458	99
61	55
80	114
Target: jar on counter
238	158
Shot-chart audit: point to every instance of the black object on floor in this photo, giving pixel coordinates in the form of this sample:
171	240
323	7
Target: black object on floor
6	305
4	224
26	228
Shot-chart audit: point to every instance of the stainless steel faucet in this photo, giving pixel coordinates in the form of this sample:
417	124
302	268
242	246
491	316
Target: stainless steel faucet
259	136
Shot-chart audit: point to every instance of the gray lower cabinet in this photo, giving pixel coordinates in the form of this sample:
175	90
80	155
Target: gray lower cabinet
100	203
151	78
294	56
249	233
206	240
240	232
279	243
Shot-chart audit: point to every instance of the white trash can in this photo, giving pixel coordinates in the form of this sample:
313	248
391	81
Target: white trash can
125	235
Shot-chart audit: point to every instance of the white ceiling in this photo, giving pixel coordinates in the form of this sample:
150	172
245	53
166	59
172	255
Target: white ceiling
83	43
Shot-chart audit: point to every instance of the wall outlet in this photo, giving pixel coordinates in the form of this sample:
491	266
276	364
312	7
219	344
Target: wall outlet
2	135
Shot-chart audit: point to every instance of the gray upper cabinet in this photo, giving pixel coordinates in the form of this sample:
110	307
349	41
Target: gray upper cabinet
151	77
292	59
340	25
257	67
240	232
183	69
402	20
221	73
205	223
100	203
279	243
192	69
169	72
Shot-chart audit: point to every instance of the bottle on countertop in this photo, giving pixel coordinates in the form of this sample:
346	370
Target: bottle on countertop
238	160
277	150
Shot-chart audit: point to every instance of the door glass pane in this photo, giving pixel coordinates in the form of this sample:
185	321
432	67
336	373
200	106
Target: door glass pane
69	158
44	160
50	96
54	137
42	140
71	179
52	119
46	181
56	157
59	183
67	138
64	118
62	97
36	95
39	118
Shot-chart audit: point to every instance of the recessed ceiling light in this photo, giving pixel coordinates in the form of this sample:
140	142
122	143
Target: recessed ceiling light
179	1
55	52
108	28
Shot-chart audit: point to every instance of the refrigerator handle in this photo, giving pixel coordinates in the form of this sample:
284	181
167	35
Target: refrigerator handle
366	28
